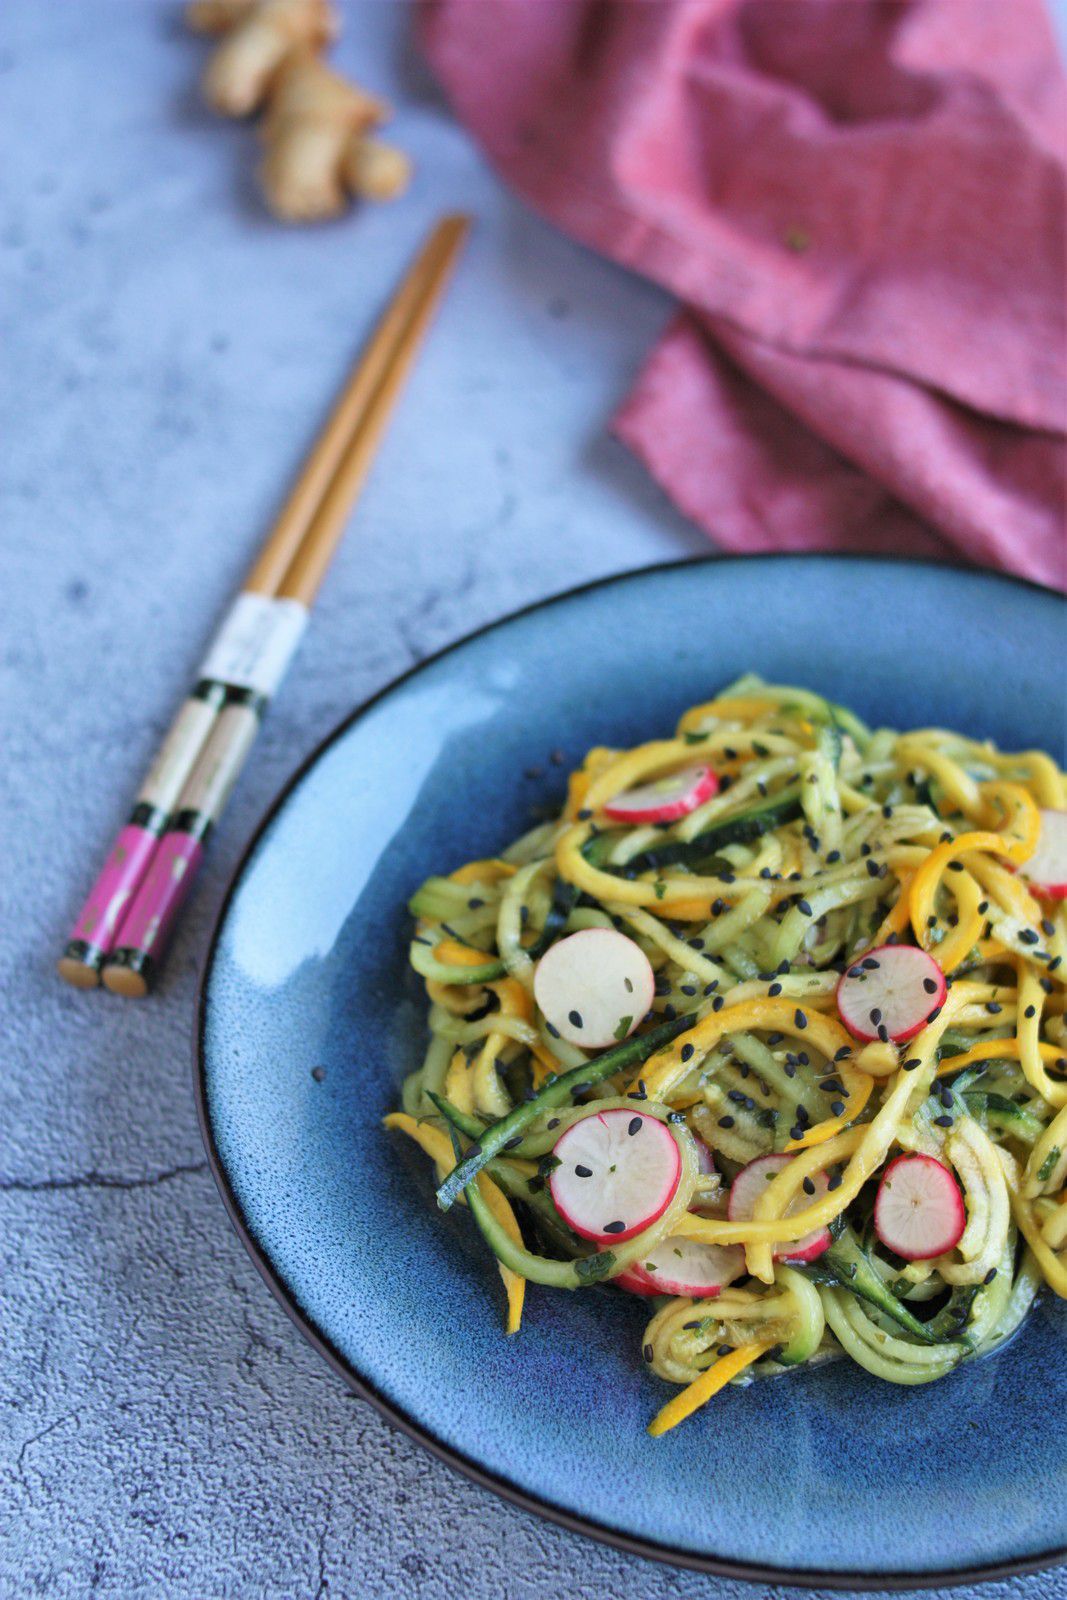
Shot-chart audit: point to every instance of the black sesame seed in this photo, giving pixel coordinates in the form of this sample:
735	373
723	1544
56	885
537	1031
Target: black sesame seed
835	1181
931	921
876	1016
725	1350
688	1051
775	989
912	1063
1028	936
1055	963
837	1107
584	814
803	1058
930	985
614	1227
1031	1011
1048	927
943	1121
887	811
790	1070
800	1019
775	1038
955	866
805	907
737	1097
797	1131
983	907
511	1144
946	1097
809	1187
553	1122
687	1326
635	1125
695	944
1046	983
726	1122
583	1172
865	849
990	1275
710	988
883	1033
835	855
688	988
872	869
934	1014
669	1012
718	1003
993	1009
844	1053
580	1088
648	1352
575	1019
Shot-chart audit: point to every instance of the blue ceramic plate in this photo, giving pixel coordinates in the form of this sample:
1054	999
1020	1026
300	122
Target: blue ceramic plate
309	1020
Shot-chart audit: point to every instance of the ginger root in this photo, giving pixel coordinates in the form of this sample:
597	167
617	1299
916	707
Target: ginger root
313	115
239	74
317	124
375	171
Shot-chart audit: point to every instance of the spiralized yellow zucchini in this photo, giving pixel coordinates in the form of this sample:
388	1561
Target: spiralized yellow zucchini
823	841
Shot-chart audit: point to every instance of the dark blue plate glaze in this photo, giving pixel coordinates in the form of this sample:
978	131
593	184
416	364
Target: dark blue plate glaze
828	1476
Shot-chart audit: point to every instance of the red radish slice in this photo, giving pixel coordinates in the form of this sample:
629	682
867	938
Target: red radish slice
618	1171
594	987
685	1266
666	799
1046	869
752	1181
918	1210
889	992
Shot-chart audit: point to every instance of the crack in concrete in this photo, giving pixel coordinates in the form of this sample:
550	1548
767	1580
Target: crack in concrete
36	1439
98	1180
324	1586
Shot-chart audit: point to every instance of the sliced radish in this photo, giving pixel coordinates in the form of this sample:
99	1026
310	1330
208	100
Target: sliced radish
594	987
918	1210
666	799
752	1181
889	992
618	1171
1046	869
685	1266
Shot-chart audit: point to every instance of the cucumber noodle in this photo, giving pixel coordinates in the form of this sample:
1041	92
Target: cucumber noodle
824	840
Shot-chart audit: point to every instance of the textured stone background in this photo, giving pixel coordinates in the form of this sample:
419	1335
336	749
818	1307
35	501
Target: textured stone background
167	352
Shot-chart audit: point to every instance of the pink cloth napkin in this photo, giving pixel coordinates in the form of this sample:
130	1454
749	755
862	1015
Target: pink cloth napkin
860	205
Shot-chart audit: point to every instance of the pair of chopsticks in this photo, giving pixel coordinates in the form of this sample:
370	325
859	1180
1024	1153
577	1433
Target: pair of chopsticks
122	930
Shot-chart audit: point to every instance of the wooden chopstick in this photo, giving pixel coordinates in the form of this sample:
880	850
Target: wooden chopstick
141	939
335	441
95	932
309	564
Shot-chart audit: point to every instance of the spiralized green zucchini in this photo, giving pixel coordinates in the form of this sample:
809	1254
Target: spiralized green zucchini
825	839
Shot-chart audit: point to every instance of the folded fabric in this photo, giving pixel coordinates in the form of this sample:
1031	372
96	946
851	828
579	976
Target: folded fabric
861	205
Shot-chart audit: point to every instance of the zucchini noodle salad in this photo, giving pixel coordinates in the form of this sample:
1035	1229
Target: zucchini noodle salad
767	1026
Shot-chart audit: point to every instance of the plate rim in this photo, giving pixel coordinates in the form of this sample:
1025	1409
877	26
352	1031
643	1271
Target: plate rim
631	1544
